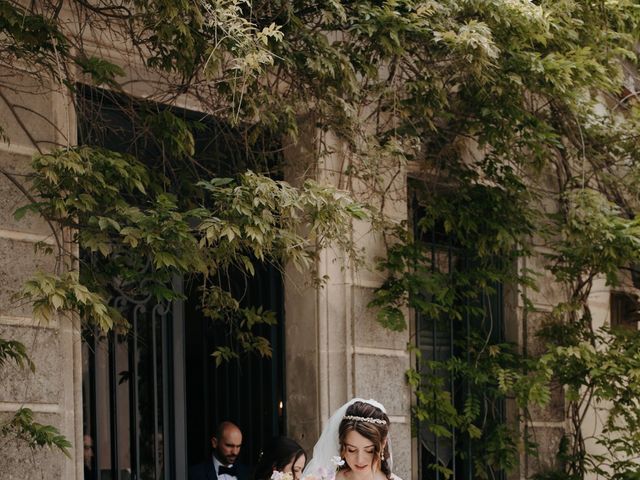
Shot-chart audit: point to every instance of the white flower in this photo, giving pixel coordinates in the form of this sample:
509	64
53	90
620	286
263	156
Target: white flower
321	473
281	476
337	461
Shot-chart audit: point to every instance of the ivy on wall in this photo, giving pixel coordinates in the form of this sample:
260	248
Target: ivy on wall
526	111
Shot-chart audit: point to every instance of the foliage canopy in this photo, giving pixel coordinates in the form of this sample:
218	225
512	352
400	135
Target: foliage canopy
520	118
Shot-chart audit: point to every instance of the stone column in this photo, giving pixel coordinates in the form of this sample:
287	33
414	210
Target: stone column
38	120
335	349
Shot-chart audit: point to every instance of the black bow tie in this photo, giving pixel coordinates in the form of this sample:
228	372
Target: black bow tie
231	471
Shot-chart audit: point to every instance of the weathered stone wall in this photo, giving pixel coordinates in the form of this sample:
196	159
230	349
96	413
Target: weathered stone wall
34	117
547	425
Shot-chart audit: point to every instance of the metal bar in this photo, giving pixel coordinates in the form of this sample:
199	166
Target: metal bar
133	406
434	346
227	398
468	461
248	426
501	324
245	368
113	394
154	393
419	324
261	368
275	409
93	386
205	359
179	436
499	314
273	364
452	380
167	431
135	389
282	357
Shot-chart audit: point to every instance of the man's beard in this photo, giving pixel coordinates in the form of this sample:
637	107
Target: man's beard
225	460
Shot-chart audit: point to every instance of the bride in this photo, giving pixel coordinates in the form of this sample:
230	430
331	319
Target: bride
354	445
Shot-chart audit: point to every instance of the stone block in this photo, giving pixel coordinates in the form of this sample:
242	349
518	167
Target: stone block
400	437
383	378
512	315
374	248
536	346
28	103
393	179
19	462
11	198
548	441
45	385
554	410
18	262
549	291
301	359
367	331
600	301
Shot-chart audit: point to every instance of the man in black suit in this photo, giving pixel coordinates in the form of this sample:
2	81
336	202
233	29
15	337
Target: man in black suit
226	443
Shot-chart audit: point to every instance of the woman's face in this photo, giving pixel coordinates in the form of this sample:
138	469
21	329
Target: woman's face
295	467
359	452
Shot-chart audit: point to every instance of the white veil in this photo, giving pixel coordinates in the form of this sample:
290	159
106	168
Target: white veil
328	447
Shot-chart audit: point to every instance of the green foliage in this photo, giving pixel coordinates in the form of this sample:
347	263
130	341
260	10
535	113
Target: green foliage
595	238
101	71
464	249
105	198
22	426
50	294
220	306
516	115
172	132
502	96
36	435
31	36
261	216
601	368
16	352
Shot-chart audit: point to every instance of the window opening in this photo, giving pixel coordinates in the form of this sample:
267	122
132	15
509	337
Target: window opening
625	310
440	338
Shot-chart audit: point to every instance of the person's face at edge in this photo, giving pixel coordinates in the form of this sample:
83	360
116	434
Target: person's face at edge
88	450
359	453
227	448
295	468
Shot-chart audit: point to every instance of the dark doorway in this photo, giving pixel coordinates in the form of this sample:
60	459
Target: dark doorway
248	391
153	395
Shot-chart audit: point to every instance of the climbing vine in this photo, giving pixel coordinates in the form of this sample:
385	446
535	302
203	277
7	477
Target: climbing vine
517	119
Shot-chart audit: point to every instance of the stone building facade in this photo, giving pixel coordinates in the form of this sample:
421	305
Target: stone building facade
333	349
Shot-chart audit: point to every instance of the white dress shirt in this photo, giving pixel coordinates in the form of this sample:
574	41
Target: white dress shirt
224	476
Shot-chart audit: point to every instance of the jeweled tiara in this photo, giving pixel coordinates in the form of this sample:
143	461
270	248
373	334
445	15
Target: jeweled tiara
365	419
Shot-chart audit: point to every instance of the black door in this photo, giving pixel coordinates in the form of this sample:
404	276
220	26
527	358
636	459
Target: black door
153	395
248	391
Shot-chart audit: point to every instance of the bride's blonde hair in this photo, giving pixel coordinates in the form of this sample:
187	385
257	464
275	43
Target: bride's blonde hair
373	424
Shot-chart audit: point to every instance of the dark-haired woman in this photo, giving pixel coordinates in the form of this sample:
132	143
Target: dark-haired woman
283	455
355	444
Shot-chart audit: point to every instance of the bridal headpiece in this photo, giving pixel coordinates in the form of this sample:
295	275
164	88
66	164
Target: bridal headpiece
365	419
